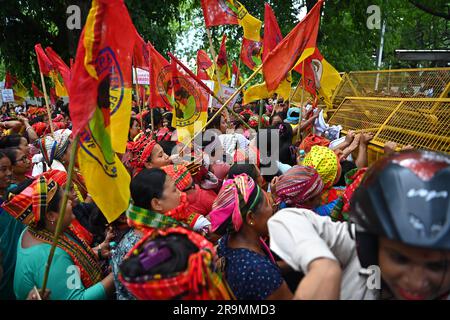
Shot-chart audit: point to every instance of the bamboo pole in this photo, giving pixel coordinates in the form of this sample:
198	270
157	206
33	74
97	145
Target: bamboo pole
47	105
213	54
137	95
225	104
301	101
62	212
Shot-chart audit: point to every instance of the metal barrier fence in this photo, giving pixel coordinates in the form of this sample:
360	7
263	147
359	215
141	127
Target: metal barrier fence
409	107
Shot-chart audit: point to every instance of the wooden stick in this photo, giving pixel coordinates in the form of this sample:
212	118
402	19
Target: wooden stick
213	53
137	95
47	105
225	104
301	101
62	212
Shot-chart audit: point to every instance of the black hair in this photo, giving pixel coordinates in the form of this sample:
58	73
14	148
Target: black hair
167	146
239	168
148	184
215	124
10	141
132	120
346	166
227	226
53	205
11	153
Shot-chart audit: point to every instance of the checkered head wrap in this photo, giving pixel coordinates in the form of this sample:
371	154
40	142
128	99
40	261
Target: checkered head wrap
31	204
154	268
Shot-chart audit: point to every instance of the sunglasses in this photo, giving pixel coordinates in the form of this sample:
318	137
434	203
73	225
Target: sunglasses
23	159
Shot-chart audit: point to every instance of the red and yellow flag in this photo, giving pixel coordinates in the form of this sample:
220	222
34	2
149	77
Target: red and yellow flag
299	44
204	65
220	12
160	74
222	63
319	76
189	98
272	36
236	79
251	53
59	66
20	91
100	103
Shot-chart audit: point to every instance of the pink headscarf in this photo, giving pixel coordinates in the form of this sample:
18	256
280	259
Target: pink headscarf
233	196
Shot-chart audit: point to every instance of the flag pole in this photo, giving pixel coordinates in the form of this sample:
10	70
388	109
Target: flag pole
62	211
204	86
137	95
46	103
301	101
225	104
213	53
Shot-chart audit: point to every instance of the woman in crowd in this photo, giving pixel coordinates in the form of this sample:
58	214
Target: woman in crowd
54	152
157	204
299	187
21	165
240	213
37	206
145	153
10	230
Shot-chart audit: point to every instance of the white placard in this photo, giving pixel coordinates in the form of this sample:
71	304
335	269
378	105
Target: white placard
227	92
8	95
143	76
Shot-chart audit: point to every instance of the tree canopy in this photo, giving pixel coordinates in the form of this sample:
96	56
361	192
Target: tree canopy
178	26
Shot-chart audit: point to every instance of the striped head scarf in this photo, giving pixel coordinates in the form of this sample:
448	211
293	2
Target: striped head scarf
180	174
326	162
233	201
297	185
54	147
31	204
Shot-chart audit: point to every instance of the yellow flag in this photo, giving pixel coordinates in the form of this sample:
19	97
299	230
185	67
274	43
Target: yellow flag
329	82
259	91
106	178
60	89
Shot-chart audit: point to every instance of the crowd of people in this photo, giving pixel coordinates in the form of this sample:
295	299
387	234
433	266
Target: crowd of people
286	209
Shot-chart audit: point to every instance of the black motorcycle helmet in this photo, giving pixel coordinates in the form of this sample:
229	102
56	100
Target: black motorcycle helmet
403	197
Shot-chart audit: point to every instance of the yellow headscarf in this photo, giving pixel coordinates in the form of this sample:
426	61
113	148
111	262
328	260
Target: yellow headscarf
325	161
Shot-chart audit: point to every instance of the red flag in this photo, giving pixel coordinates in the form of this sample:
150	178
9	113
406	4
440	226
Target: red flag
102	69
222	62
203	64
160	79
45	65
299	43
140	53
59	65
251	53
36	92
272	32
53	96
9	80
218	12
236	74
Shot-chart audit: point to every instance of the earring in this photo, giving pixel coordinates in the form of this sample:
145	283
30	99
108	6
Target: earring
252	223
52	222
